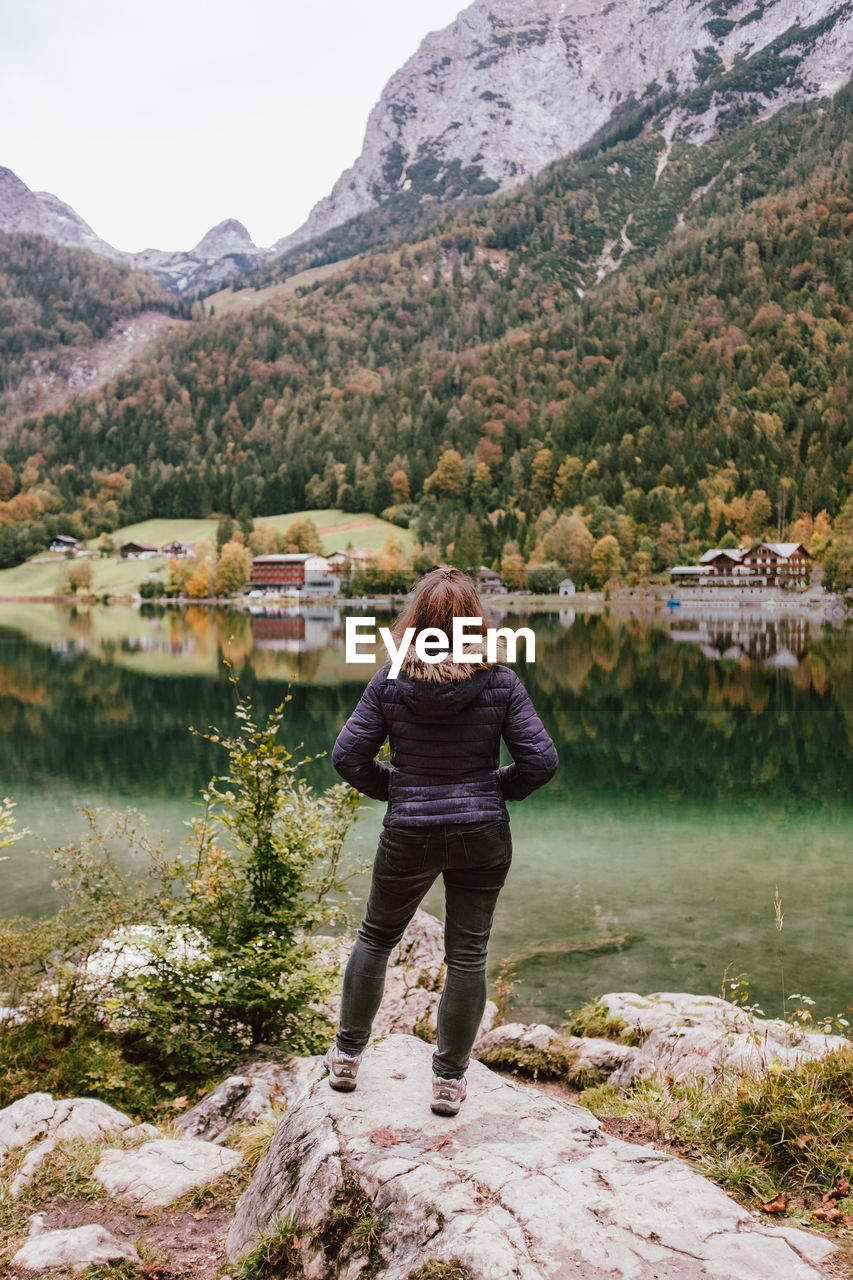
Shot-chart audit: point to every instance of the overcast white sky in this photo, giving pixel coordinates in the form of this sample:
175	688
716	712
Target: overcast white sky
156	119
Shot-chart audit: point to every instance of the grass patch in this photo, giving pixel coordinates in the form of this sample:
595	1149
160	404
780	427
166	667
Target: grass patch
787	1133
253	1141
233	302
558	1062
535	1064
337	529
47	576
66	1171
123	1269
797	1122
436	1269
277	1254
604	1100
595	1020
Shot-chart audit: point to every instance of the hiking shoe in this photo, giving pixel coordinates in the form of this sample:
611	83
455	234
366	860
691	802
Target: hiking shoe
342	1068
447	1095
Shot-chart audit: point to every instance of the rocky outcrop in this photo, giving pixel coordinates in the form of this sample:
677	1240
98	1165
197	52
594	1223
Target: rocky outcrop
236	1100
160	1172
518	1185
578	1060
688	1037
509	87
246	1098
39	1116
41	213
225	238
192	272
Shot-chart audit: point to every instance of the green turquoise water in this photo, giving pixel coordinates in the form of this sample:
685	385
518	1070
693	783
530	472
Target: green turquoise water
705	761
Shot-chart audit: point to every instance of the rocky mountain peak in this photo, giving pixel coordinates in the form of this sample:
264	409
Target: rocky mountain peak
512	85
44	214
199	270
226	237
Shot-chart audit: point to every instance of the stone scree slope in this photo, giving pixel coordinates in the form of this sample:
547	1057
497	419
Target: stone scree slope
519	1185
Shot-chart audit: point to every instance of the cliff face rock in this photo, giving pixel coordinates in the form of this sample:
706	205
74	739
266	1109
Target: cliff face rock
512	85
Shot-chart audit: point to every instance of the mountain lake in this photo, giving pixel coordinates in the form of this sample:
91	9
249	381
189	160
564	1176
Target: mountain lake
706	759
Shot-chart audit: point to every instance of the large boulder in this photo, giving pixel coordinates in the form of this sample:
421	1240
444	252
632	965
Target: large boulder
519	1186
691	1037
160	1172
24	1120
248	1097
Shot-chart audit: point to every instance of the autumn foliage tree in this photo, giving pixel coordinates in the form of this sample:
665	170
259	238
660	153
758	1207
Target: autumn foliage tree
233	569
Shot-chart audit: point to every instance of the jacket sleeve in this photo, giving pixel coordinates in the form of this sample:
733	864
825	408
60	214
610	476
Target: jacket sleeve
354	752
534	754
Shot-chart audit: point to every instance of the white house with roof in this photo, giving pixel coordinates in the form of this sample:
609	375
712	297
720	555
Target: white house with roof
319	579
769	564
64	542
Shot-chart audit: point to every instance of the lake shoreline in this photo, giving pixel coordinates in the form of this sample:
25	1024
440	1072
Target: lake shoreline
833	607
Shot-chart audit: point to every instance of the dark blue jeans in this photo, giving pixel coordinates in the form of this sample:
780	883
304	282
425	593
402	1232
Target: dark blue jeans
474	860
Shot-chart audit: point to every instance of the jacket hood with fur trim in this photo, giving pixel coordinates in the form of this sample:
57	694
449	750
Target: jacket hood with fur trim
445	693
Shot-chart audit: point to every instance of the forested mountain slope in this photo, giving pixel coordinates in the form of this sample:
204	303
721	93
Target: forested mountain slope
53	296
702	387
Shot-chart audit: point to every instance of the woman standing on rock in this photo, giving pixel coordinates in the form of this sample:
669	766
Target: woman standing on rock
446	816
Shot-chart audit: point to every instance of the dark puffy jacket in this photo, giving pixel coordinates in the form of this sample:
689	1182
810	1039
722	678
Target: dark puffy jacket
445	746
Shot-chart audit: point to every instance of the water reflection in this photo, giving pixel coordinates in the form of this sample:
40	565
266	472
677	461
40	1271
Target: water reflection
296	630
781	644
699	704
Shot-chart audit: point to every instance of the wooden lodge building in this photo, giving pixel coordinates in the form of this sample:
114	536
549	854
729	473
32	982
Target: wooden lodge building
138	551
292	573
769	564
279	573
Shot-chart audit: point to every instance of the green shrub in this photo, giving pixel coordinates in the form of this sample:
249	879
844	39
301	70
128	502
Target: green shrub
277	1254
264	866
60	1037
219	957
